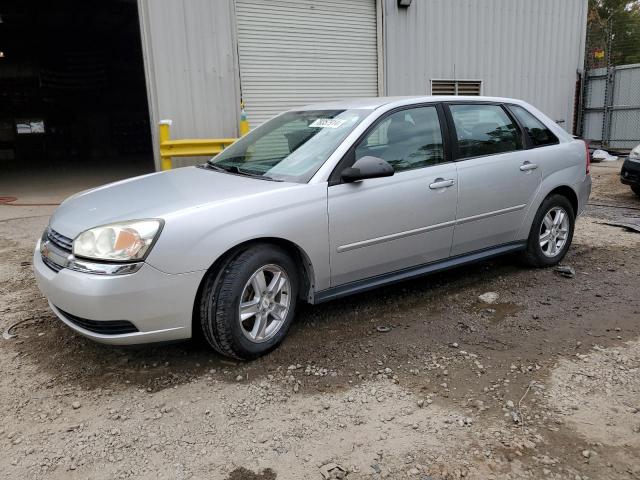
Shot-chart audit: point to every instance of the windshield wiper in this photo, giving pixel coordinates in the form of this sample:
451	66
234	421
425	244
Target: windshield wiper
214	167
212	161
235	170
241	171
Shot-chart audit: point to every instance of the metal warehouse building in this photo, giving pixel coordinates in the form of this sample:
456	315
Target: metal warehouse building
194	61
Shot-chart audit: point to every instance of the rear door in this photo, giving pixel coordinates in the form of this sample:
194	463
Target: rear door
497	177
381	225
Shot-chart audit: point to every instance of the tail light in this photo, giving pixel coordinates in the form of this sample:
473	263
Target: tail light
588	159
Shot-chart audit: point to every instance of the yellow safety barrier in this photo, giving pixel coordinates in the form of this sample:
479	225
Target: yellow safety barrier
187	147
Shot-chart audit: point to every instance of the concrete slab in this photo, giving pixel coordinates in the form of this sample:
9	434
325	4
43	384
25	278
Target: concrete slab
39	191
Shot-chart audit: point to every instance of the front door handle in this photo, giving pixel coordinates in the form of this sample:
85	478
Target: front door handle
441	183
527	166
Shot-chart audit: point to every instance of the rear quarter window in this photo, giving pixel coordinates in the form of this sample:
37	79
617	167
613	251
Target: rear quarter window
539	134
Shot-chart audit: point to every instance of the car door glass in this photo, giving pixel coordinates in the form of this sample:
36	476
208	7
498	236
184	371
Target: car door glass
407	139
484	130
539	134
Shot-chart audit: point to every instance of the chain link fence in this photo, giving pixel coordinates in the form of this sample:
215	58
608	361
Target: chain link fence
610	114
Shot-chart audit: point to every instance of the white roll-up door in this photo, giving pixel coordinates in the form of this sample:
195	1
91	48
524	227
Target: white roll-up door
295	52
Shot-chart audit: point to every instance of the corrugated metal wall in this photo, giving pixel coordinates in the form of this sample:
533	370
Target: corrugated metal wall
191	66
518	48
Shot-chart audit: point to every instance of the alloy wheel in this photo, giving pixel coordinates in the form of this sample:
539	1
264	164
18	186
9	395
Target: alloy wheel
554	231
264	303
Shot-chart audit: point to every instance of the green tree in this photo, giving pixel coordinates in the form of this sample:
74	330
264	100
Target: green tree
615	23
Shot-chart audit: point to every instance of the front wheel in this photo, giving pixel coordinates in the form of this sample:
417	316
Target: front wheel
246	308
636	189
551	232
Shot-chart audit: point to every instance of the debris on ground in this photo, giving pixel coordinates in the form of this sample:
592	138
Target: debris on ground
631	224
242	473
515	416
8	335
489	297
603	156
332	471
565	271
383	329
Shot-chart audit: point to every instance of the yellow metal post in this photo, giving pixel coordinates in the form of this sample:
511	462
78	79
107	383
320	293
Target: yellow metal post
187	147
165	136
244	123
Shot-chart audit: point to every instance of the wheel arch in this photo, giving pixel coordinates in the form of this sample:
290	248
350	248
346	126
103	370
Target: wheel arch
545	191
567	192
300	257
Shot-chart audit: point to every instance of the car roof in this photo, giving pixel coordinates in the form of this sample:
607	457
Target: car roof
373	103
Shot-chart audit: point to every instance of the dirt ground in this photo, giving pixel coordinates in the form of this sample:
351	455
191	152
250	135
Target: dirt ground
545	383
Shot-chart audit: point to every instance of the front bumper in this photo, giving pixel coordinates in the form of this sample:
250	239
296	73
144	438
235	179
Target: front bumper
159	305
630	173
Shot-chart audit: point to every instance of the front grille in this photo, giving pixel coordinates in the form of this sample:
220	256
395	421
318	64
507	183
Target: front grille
53	266
104	327
60	241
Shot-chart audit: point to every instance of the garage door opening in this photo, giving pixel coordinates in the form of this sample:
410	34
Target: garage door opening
72	89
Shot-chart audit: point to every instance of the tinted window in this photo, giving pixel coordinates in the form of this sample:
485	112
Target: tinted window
406	139
539	134
484	130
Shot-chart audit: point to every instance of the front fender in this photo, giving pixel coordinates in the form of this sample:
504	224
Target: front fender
195	239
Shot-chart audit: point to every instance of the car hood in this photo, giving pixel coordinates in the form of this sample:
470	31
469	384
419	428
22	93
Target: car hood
157	195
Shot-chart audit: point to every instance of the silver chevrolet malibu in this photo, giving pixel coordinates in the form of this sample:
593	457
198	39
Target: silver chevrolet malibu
315	204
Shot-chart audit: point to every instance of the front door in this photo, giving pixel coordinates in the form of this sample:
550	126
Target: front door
381	225
497	178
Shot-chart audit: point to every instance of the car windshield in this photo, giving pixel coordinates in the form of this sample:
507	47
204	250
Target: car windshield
290	147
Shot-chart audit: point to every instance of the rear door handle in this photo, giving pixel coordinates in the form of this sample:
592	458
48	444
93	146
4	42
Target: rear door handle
526	166
441	183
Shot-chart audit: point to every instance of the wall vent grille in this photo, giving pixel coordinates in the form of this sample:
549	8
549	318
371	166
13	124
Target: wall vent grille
456	87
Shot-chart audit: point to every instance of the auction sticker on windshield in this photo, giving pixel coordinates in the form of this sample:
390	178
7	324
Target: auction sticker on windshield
327	123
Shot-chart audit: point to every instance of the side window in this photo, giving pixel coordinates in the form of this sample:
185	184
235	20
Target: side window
484	130
540	135
406	139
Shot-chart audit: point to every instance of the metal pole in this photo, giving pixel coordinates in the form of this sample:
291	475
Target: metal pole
608	89
582	100
165	135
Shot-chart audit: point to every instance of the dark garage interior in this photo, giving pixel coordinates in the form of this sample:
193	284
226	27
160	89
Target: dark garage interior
72	89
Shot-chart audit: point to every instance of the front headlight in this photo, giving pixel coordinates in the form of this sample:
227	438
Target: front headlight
635	153
118	242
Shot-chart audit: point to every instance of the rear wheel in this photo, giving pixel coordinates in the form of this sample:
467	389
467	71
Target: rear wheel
551	232
246	308
636	189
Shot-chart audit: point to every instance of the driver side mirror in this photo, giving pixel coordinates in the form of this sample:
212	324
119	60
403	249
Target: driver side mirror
367	167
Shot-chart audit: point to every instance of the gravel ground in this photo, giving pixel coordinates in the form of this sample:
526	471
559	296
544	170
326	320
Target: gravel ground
544	383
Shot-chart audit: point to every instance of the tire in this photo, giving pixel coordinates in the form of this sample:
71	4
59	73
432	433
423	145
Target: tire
636	189
221	298
535	254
